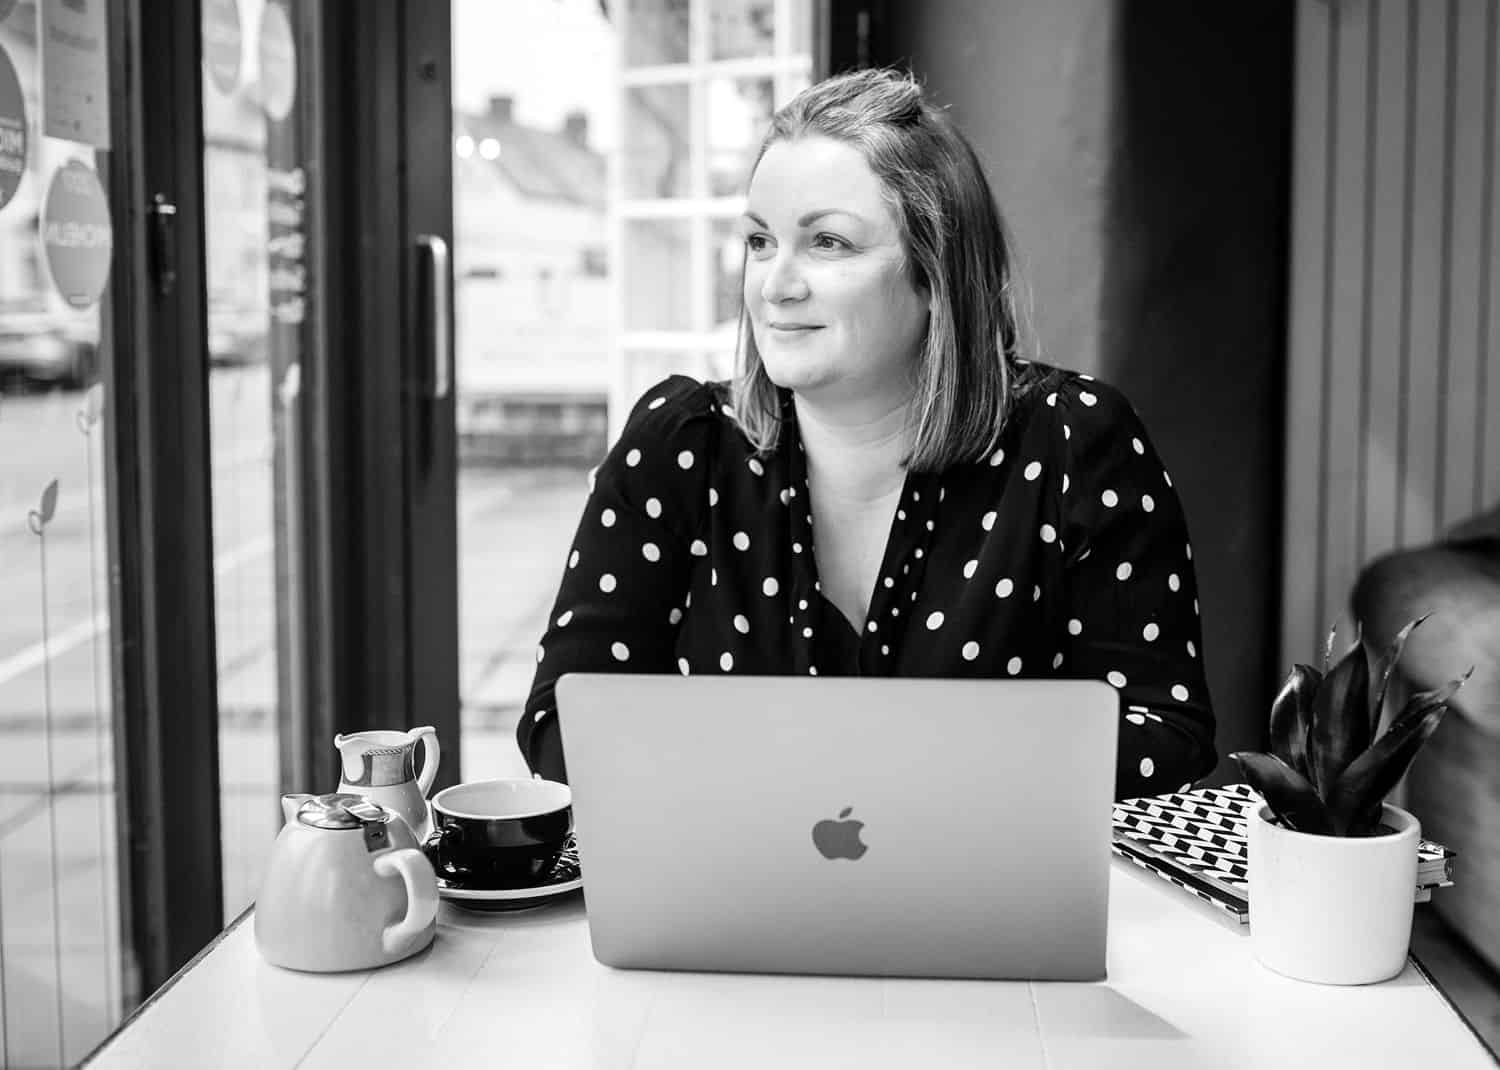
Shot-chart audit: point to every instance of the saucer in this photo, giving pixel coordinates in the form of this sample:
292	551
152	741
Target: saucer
564	879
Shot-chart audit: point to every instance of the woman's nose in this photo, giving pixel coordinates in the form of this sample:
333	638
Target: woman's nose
783	281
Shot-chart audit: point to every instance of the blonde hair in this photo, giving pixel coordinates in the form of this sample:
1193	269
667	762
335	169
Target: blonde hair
958	250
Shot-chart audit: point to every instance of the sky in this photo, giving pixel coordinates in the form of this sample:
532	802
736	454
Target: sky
551	56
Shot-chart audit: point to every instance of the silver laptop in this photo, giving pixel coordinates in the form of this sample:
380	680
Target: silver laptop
821	825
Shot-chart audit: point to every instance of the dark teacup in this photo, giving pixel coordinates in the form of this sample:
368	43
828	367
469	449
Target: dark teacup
497	834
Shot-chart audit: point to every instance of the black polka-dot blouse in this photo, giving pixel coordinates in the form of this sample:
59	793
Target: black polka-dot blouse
1064	554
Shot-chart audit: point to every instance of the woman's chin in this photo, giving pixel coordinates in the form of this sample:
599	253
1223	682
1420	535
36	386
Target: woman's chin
794	371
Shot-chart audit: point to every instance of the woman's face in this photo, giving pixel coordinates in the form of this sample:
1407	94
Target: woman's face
834	311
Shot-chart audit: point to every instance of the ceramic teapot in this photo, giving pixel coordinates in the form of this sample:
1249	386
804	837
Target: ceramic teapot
346	887
382	766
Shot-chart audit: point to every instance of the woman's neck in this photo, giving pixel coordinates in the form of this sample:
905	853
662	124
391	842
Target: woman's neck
854	460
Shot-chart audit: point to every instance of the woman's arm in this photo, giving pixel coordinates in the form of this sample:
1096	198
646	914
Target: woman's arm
621	598
1133	597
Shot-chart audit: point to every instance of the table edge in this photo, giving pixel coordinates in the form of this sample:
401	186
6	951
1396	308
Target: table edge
1436	986
223	934
164	988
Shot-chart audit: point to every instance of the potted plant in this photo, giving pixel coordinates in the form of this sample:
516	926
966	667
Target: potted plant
1332	866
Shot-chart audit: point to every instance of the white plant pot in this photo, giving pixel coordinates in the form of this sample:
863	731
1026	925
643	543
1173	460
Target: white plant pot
1331	909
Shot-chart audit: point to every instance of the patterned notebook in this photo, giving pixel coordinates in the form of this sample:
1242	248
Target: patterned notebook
1196	840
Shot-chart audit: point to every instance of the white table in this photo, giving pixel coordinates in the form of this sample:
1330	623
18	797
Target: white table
523	990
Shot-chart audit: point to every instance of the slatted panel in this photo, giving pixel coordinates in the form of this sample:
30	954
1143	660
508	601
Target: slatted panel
1301	564
1487	440
1459	416
1347	336
1390	66
1428	248
1393	408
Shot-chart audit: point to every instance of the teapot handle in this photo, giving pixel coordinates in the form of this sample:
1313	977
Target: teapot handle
432	754
412	867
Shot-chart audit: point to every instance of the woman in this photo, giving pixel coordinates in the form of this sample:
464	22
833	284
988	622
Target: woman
887	488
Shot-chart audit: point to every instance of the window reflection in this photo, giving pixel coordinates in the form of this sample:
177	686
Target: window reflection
60	948
657	143
600	152
739	111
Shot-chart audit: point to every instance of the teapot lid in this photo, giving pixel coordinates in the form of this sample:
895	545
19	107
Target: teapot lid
340	810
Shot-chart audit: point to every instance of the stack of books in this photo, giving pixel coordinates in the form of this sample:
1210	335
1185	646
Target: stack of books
1197	841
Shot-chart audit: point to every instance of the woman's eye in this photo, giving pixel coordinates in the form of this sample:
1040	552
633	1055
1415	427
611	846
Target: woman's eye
829	241
756	243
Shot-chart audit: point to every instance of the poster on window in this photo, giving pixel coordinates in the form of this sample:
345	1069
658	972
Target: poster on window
277	52
75	71
76	234
12	129
223	43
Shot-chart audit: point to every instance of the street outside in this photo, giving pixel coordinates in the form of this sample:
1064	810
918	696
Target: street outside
58	879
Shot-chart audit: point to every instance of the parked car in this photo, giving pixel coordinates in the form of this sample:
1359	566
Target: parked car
45	345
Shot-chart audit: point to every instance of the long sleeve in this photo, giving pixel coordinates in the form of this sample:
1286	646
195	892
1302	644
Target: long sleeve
623	589
1133	597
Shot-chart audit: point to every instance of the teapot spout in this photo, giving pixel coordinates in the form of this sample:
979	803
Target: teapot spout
290	804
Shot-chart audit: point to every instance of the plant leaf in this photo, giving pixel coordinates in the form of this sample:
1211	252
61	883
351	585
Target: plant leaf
1291	798
1383	669
1291	716
48	507
1340	729
1355	801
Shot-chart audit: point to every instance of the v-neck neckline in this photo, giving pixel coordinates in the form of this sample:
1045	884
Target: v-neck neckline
903	557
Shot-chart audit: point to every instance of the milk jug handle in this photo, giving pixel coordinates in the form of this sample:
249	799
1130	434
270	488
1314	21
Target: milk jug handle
432	754
412	867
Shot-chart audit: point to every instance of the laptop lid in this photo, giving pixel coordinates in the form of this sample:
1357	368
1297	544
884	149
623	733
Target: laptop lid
844	825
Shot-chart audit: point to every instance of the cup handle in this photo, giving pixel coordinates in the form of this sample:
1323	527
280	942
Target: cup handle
412	867
432	754
432	850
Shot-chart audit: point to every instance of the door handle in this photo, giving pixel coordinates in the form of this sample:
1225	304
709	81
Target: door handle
434	265
163	243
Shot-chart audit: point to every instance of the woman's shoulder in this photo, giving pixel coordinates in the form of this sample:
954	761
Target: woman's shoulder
1038	384
1080	407
682	405
673	400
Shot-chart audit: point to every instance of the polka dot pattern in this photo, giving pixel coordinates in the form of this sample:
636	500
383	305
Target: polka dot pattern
698	555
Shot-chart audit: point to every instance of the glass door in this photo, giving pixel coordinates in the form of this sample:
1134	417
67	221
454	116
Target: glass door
600	154
255	189
60	947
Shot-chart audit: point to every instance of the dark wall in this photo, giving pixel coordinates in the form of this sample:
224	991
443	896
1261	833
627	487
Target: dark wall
1141	153
1025	79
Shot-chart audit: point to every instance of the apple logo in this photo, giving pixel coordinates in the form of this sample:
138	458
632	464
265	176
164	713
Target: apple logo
839	839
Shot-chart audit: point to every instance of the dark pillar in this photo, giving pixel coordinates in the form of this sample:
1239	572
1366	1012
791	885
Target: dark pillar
1193	320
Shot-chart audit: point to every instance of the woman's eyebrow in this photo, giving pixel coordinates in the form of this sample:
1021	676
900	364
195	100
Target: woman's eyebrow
810	217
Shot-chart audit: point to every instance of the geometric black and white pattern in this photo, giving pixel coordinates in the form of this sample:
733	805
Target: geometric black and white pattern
1197	841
